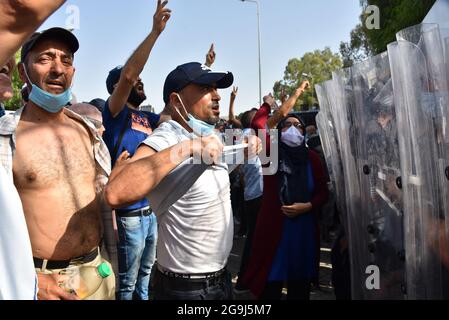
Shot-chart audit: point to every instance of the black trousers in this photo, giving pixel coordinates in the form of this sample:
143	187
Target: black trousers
296	290
168	288
251	210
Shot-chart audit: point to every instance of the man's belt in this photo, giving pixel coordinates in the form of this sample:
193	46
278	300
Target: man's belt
134	213
189	282
61	264
195	276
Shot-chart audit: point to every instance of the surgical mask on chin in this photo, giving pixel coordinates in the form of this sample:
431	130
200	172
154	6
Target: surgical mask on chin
199	127
52	103
292	137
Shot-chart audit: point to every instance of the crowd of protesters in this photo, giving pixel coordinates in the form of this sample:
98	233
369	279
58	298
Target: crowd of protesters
90	191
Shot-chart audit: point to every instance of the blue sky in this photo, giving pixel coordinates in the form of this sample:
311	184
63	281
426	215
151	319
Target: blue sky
109	31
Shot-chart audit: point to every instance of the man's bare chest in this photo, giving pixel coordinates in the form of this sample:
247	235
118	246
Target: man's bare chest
46	157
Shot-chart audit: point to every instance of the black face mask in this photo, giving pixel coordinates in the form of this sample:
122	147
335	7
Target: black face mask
135	99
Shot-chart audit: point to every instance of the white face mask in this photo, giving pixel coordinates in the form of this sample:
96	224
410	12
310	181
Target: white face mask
292	137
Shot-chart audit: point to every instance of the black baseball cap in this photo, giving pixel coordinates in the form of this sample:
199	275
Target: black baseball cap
113	78
98	103
195	72
53	33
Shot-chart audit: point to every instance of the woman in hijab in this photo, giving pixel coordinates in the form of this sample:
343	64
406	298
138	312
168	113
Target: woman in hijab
284	246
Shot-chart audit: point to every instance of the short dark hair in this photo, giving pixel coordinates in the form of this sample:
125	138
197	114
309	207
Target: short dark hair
98	103
113	78
247	118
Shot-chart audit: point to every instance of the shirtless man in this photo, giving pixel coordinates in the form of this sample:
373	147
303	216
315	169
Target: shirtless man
57	159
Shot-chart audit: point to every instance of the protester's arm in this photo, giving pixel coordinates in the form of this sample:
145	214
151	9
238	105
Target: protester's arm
19	19
287	106
135	64
133	180
210	56
232	119
261	117
6	90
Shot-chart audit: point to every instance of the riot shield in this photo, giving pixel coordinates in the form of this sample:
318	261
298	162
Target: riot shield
331	149
446	171
415	70
341	105
378	167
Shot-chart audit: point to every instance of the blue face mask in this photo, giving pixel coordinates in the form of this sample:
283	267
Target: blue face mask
199	127
52	103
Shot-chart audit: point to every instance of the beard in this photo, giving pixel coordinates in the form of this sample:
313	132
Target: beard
135	98
213	119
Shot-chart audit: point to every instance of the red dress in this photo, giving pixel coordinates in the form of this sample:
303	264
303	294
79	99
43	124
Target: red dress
270	219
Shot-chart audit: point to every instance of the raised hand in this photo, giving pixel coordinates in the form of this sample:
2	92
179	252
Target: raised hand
283	96
161	16
269	99
210	57
234	92
304	85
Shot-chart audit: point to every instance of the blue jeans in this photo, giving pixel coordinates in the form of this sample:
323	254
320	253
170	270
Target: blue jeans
136	255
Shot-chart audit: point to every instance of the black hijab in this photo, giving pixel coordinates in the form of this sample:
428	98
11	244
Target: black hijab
293	170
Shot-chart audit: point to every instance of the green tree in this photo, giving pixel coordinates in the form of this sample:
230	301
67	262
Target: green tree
16	101
357	49
395	15
319	64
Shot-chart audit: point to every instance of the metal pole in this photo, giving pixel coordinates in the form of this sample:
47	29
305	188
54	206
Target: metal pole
260	59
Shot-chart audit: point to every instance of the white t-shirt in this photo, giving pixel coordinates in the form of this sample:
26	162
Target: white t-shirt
195	232
17	275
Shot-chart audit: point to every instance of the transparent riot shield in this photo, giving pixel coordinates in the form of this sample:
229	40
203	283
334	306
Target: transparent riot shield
341	105
331	149
445	244
414	73
378	167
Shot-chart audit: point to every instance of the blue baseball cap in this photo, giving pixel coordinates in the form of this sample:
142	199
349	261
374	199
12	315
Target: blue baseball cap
113	78
195	72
